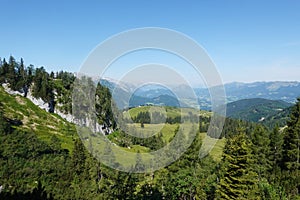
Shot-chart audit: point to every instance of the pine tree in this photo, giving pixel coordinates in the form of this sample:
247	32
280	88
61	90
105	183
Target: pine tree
291	151
11	74
30	72
260	149
238	179
275	152
4	71
20	77
78	157
104	106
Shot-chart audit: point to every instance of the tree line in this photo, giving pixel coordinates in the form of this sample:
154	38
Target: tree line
43	85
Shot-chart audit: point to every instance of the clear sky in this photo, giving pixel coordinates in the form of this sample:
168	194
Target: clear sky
254	40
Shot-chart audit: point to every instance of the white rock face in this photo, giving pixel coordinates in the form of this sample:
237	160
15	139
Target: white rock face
43	105
38	102
10	91
68	117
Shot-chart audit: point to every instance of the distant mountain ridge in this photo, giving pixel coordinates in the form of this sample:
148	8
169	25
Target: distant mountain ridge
161	100
287	91
128	95
275	90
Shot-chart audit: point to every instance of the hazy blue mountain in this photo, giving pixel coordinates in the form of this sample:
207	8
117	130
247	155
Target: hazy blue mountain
277	90
153	92
163	100
287	91
125	95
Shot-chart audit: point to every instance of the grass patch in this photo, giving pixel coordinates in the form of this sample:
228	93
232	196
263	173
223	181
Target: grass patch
167	130
218	145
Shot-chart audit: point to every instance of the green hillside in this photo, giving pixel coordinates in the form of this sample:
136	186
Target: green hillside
280	118
41	156
36	165
255	110
37	120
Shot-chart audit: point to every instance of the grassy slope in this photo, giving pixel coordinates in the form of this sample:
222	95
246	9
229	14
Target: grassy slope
45	124
37	120
167	130
217	150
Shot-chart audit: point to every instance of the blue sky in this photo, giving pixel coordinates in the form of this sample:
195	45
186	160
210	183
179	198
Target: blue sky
248	40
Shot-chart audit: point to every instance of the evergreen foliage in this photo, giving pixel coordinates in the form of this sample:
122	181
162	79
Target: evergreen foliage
260	150
291	152
238	179
104	106
36	162
275	154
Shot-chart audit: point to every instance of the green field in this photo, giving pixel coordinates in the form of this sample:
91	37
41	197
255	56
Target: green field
214	146
168	111
167	130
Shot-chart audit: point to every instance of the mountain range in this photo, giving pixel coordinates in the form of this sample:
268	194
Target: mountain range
287	91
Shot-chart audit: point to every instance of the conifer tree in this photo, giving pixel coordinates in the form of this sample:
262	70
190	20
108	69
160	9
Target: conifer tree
275	153
238	179
3	71
11	74
105	107
78	157
260	150
291	151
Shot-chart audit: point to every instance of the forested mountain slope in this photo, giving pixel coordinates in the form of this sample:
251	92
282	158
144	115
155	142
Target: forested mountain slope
41	156
256	109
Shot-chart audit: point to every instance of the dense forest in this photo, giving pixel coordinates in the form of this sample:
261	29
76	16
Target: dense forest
43	85
258	162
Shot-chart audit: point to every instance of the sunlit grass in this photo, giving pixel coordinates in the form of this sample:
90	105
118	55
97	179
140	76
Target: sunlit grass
215	146
37	120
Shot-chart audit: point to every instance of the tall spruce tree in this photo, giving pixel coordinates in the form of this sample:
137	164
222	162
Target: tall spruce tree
291	151
260	149
275	153
238	179
11	74
78	157
4	71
